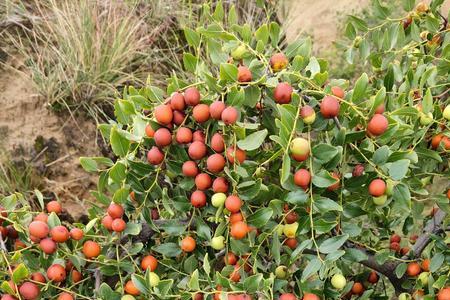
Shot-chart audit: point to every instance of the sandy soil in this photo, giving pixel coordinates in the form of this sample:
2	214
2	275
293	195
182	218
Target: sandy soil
52	144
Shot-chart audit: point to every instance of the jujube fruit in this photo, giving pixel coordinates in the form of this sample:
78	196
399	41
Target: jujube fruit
230	258
291	243
235	276
29	291
244	74
299	146
426	265
291	217
198	136
48	246
131	289
60	234
54	206
336	185
189	168
76	276
216	109
91	249
107	222
373	277
56	273
215	163
235	153
278	62
149	262
309	296
377	187
178	117
198	199
329	107
236	217
38	229
308	114
163	137
395	238
188	244
184	135
115	210
338	92
177	101
358	170
65	296
155	156
394	246
163	114
283	93
357	288
201	113
203	181
444	294
217	142
41	217
149	131
118	225
197	150
37	276
338	281
302	178
218	242
76	234
233	203
192	96
413	269
377	125
287	296
220	185
239	230
229	115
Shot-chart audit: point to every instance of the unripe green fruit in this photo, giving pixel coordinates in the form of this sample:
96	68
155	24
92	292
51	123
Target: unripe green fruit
426	119
259	171
218	242
281	272
338	281
404	296
218	199
290	230
446	113
154	279
239	52
299	146
423	278
357	41
389	187
380	200
127	297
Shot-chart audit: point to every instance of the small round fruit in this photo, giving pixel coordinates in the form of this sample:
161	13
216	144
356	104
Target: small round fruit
446	112
380	200
336	185
56	273
115	210
163	137
91	249
282	93
278	62
29	291
177	101
404	250
127	297
235	276
198	136
230	258
229	115
60	234
131	289
302	178
37	276
291	217
216	109
395	247
149	262
48	246
291	243
287	296
413	269
299	146
198	199
215	163
197	150
220	185
426	119
338	92
444	294
149	131
188	244
54	206
65	296
218	242
380	109
201	113
244	74
358	170
41	217
329	107
309	296
404	296
107	222
203	181
308	114
38	229
236	153
233	203
423	278
239	230
218	199
377	187
178	117
118	225
239	52
377	125
426	265
163	114
189	168
153	279
217	143
236	217
373	277
281	272
155	156
357	288
76	276
338	281
192	96
76	234
184	135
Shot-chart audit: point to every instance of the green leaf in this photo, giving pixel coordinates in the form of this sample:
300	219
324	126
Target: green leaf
206	265
190	62
164	286
219	13
398	169
252	96
427	103
228	72
275	248
324	152
436	261
253	141
119	144
285	168
325	205
260	217
140	283
193	281
88	164
323	179
40	198
360	88
332	244
132	229
20	273
53	220
400	270
381	155
192	37
252	283
274	32
298	197
168	249
389	78
118	172
262	34
402	195
355	255
311	268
